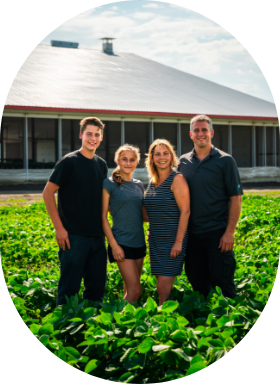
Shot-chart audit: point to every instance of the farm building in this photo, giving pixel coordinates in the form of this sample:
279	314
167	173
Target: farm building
137	99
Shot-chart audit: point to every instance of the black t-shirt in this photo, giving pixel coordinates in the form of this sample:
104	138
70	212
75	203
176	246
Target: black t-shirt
79	197
212	182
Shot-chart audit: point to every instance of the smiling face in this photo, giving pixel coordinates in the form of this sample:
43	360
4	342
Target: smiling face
201	135
162	158
127	162
91	138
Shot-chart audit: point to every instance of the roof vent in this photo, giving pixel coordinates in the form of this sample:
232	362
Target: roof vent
107	45
64	44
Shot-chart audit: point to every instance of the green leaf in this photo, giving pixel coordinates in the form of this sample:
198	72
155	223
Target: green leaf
44	339
129	309
105	318
179	336
210	331
222	321
117	316
91	365
196	367
159	348
61	354
46	329
146	345
72	352
196	359
151	305
220	353
128	353
219	291
169	306
141	314
174	373
24	289
162	332
179	352
112	368
88	313
134	362
76	320
127	377
172	323
47	306
76	329
34	328
216	343
182	321
169	357
140	330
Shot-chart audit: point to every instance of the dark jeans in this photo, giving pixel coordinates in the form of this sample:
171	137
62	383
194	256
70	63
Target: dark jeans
207	267
87	259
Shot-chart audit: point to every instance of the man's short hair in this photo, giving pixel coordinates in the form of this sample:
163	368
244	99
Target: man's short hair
91	121
201	118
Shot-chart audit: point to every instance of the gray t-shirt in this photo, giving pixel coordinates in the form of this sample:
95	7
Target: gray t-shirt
126	208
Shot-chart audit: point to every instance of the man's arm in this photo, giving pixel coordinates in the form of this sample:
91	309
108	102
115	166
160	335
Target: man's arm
60	232
227	240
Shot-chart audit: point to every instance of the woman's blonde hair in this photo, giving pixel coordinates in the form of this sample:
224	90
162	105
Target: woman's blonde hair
152	169
126	147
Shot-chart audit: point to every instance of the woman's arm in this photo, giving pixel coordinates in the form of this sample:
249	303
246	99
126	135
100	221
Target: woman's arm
117	251
181	193
145	215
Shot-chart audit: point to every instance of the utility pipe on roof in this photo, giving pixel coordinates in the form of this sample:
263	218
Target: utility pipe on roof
25	145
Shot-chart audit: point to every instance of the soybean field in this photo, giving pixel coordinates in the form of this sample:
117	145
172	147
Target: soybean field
138	342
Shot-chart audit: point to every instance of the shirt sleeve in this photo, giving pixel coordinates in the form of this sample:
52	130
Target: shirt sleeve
232	178
105	174
108	185
62	172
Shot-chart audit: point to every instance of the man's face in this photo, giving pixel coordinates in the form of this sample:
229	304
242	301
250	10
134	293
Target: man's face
91	137
201	134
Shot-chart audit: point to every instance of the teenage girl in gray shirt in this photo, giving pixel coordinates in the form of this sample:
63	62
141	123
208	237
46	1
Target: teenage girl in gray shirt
124	196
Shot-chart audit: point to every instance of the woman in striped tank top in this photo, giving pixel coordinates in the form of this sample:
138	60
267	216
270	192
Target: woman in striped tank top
167	208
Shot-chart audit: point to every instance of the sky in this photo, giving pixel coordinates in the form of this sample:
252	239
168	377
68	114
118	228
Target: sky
171	35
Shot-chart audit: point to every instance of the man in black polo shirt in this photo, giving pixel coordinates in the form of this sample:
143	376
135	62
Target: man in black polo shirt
78	178
215	192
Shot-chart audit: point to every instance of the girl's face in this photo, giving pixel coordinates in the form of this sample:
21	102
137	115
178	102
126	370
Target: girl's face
127	162
162	158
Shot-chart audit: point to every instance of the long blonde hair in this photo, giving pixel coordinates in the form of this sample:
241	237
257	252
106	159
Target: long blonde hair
151	168
126	147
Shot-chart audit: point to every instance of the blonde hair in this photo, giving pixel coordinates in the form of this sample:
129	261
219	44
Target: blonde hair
152	169
126	147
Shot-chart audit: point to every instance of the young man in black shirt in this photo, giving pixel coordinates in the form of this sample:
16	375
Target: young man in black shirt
78	179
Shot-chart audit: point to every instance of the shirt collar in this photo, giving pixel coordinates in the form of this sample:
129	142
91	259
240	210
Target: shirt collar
212	153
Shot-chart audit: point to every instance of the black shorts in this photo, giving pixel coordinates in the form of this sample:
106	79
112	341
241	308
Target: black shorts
129	252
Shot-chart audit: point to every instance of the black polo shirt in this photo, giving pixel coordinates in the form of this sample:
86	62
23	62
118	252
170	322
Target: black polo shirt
79	197
212	182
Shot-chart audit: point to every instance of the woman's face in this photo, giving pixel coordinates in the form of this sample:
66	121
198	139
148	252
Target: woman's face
162	158
127	162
